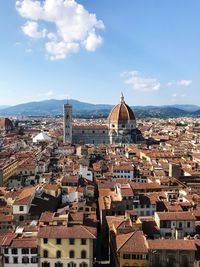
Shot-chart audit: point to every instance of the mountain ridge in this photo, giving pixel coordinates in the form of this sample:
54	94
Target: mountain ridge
55	107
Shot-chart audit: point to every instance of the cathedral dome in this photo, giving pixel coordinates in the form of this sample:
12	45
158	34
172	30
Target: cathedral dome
121	113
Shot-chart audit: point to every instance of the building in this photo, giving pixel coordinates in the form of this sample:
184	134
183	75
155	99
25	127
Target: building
120	127
7	170
5	125
19	250
65	246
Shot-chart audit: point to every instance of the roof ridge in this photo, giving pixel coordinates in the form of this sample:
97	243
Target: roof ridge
83	226
131	234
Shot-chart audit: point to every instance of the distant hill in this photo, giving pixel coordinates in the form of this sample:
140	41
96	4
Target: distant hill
190	108
50	107
196	113
81	109
4	106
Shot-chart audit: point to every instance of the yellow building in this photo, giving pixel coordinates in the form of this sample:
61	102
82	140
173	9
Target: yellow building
132	249
7	170
63	246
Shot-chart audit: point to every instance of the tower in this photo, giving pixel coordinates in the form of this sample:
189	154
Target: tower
67	123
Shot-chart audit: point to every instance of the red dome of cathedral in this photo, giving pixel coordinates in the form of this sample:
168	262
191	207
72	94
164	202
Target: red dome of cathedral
121	113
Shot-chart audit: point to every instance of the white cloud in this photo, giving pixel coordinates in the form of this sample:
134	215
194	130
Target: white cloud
75	27
31	29
59	50
141	83
184	83
93	41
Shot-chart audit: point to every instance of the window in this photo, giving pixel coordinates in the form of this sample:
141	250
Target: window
15	260
83	264
188	224
34	260
58	254
34	251
25	251
83	241
45	264
25	260
58	241
71	264
71	254
126	256
21	208
45	240
58	264
6	259
21	218
5	250
45	254
83	254
14	251
71	241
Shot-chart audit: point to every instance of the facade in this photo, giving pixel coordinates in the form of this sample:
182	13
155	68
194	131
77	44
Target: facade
19	251
120	128
65	246
7	170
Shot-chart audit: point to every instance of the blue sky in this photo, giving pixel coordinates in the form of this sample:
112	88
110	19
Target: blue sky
148	49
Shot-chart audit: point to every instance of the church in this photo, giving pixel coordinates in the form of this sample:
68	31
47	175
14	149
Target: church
120	127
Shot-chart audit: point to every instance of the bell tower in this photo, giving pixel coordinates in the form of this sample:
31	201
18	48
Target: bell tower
67	123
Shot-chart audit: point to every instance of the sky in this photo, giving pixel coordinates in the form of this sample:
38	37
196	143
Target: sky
94	50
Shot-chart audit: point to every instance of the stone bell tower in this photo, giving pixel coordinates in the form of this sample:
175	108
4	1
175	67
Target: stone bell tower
67	123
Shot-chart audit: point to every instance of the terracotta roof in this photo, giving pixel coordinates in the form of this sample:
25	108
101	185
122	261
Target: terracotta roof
134	242
77	231
46	216
5	218
121	113
172	244
76	216
24	242
25	196
6	239
174	216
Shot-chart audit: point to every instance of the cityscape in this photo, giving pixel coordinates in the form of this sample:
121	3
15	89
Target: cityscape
99	133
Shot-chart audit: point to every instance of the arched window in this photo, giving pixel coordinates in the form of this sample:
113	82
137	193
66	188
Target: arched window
71	264
83	254
45	264
83	264
71	254
58	254
45	254
58	264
